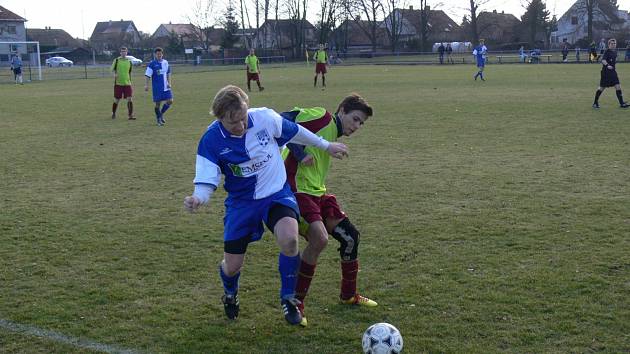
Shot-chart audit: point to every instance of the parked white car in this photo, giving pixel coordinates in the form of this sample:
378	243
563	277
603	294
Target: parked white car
134	60
58	61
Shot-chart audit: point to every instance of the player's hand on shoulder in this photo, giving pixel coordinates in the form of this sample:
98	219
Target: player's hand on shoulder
191	203
308	160
338	150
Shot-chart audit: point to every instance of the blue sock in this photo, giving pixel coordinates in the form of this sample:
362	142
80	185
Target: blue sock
288	268
165	107
481	74
157	112
230	284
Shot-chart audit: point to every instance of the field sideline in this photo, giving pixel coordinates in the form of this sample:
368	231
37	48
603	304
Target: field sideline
494	216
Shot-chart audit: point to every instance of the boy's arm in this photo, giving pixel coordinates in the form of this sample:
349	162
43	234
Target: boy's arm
200	196
146	83
305	137
298	151
207	177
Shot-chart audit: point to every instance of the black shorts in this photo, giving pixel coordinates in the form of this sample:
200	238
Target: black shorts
609	78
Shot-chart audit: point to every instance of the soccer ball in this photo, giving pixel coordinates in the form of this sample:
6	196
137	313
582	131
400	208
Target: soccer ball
382	338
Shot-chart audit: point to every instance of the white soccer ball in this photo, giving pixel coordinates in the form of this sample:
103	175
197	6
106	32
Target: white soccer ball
382	338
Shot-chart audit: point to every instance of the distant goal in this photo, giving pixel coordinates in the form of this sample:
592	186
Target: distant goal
30	54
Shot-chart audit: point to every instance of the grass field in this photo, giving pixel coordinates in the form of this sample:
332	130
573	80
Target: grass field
494	215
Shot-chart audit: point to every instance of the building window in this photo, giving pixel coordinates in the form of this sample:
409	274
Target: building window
11	30
574	20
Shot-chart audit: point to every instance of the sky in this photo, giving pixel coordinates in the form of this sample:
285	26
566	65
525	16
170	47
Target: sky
78	17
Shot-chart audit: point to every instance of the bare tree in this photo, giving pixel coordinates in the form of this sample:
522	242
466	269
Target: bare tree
370	10
425	29
296	11
329	10
472	21
202	21
394	22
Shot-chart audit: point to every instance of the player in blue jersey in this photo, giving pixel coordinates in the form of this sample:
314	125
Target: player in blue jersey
243	146
159	72
480	53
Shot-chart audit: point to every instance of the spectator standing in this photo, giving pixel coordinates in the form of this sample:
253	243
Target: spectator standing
592	52
521	54
449	54
565	50
577	54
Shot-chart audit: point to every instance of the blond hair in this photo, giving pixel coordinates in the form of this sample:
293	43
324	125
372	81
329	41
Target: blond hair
229	98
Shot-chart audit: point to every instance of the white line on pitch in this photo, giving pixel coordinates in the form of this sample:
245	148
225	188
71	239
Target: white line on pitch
58	337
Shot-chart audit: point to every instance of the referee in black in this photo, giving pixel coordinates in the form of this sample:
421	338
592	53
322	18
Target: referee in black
609	76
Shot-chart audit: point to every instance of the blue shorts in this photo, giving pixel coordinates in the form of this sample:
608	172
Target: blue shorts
245	218
481	63
162	96
17	71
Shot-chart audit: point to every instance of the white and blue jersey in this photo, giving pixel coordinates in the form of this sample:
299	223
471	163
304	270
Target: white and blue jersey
255	176
480	55
158	71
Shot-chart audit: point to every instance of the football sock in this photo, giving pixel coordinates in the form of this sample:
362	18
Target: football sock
481	74
304	277
165	108
620	96
597	94
258	83
114	107
249	86
315	82
349	270
157	111
288	267
230	284
323	80
130	108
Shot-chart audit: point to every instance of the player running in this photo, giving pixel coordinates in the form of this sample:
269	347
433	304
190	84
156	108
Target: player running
252	65
243	145
307	169
609	76
159	72
480	53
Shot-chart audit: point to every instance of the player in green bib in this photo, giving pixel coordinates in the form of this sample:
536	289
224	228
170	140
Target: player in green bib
307	170
252	65
121	67
321	62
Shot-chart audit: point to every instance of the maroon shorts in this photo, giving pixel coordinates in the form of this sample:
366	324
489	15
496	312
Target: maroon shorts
122	91
252	76
314	208
320	68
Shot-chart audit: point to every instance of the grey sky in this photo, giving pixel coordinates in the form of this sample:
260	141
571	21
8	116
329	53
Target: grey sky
78	17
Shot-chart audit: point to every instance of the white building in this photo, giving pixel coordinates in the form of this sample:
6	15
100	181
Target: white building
573	25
